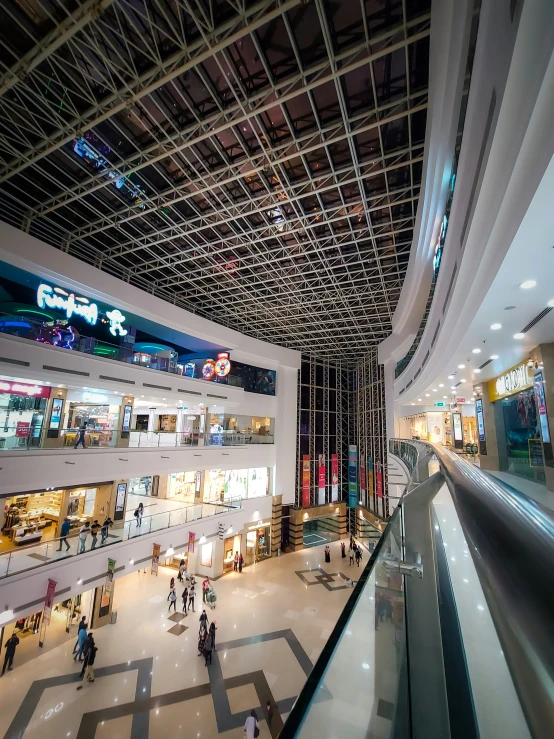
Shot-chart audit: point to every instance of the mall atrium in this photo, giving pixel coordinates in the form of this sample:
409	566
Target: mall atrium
276	369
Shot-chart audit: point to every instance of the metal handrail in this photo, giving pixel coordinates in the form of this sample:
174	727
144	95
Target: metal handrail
511	541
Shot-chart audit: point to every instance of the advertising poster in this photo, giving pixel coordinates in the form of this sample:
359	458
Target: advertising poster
540	399
155	559
192	539
120	500
480	419
110	575
49	601
334	477
56	415
127	411
321	480
305	480
352	476
379	471
22	429
362	483
370	481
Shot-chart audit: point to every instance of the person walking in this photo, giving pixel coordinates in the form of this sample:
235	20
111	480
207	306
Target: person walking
82	625
138	514
208	646
251	728
327	553
81	639
351	557
191	598
185	598
202	636
241	562
81	436
181	570
94	529
205	588
64	531
104	531
351	547
342	550
83	531
87	673
236	562
172	598
269	712
213	629
358	555
203	621
9	648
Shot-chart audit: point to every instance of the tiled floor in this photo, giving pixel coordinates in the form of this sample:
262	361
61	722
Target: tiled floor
271	626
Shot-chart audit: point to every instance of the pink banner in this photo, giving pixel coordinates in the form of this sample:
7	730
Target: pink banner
362	483
192	539
49	601
334	477
379	480
305	480
321	480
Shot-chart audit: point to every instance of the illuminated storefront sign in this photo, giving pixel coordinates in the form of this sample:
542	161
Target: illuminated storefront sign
57	298
514	380
18	388
223	365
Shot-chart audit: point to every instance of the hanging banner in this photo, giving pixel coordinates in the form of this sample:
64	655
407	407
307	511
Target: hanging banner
192	538
362	483
109	577
49	602
370	481
379	479
334	477
321	480
305	480
352	476
155	559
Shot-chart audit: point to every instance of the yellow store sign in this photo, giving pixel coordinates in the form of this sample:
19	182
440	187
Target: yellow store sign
515	379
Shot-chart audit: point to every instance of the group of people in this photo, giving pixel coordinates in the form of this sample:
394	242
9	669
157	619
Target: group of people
355	551
206	638
93	529
189	593
85	651
238	562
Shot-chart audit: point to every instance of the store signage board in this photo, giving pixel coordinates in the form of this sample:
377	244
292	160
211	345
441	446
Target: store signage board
440	403
460	400
516	379
156	549
19	388
480	419
535	453
352	476
540	398
56	298
49	601
334	477
305	480
321	480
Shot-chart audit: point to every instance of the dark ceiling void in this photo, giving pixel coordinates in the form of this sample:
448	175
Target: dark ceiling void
257	163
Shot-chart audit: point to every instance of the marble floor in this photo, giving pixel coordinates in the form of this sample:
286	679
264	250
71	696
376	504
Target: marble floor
272	624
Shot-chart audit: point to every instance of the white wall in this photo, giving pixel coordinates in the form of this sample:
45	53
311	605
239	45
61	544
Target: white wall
286	434
24	592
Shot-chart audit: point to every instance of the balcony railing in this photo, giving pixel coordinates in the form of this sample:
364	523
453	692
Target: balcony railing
29	557
14	438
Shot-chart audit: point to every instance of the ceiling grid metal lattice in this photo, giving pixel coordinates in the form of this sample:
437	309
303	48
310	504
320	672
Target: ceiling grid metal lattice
255	162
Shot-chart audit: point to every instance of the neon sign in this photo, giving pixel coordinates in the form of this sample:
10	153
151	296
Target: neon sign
19	388
223	365
72	305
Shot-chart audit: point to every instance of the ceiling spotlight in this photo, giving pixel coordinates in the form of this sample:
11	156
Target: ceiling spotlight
496	326
419	400
494	356
131	561
170	552
476	351
452	387
427	395
450	377
434	389
441	384
413	403
461	366
445	396
80	581
550	303
462	380
527	284
519	335
477	370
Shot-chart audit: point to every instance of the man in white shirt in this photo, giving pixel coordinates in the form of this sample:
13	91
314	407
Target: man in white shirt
83	531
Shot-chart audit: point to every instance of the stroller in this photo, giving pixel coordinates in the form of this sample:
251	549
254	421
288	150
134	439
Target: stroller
211	598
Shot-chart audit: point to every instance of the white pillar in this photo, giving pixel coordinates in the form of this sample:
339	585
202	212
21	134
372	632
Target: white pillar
286	427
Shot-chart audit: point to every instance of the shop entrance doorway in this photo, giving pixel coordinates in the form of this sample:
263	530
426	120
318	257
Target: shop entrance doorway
320	531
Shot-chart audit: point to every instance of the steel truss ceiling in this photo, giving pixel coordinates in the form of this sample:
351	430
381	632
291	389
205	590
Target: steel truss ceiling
258	163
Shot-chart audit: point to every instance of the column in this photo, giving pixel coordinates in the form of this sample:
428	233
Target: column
544	353
286	430
490	460
53	438
123	434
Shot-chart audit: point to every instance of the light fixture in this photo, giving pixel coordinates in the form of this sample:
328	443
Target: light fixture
452	387
474	393
550	303
494	356
202	539
496	326
413	403
419	400
476	351
528	284
427	395
461	366
441	384
445	396
434	389
131	561
478	388
477	370
450	377
170	552
519	335
462	379
80	581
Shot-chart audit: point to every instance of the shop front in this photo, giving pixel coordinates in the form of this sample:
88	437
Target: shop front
258	540
98	412
228	485
517	423
23	407
231	546
182	485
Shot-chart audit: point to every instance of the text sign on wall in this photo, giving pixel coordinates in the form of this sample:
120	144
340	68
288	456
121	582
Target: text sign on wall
57	298
514	380
19	388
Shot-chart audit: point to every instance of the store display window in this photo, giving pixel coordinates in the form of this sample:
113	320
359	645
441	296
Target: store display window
100	414
230	546
518	430
258	481
22	412
258	543
182	485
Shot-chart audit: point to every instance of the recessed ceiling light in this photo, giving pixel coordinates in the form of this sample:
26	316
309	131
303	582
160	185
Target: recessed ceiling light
462	380
452	387
528	284
551	303
477	370
434	389
461	366
413	403
519	335
419	400
496	326
441	384
445	396
450	377
427	395
494	356
476	351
